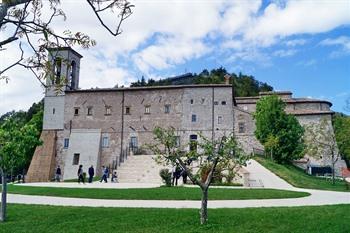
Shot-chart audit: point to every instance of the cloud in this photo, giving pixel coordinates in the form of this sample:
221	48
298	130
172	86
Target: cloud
298	17
285	53
342	41
296	42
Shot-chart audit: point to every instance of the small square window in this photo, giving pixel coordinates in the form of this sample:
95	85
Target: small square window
216	102
108	110
76	159
223	102
194	117
219	119
76	111
89	111
191	101
66	143
167	108
241	127
127	110
105	142
147	109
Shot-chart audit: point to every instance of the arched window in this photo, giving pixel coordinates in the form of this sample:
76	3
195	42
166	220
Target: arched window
57	71
73	74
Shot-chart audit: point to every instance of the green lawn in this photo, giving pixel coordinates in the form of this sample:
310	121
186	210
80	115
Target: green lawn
162	193
299	178
30	218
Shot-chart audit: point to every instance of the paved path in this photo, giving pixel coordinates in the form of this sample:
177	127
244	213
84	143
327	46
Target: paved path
268	179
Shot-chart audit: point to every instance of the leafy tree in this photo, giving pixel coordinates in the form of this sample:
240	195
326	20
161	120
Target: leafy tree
223	154
321	140
341	125
15	143
280	133
25	21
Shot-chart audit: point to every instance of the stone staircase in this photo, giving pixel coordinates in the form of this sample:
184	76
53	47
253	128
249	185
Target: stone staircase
139	169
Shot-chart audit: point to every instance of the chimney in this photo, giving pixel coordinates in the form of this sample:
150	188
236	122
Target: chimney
227	78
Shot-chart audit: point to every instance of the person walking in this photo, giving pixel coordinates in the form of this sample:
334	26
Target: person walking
104	174
91	173
81	175
58	174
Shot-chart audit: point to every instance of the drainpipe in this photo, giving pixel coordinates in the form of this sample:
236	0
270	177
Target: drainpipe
122	131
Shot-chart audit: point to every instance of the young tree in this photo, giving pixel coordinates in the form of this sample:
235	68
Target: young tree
277	130
26	22
15	142
321	141
224	153
341	125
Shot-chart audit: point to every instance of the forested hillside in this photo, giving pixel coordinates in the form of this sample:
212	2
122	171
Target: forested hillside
245	85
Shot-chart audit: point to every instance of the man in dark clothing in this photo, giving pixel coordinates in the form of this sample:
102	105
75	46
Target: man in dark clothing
91	173
80	174
58	174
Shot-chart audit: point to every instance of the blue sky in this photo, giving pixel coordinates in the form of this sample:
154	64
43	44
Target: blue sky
300	46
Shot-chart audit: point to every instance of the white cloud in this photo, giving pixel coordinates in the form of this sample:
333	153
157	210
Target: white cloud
295	42
298	17
342	41
285	53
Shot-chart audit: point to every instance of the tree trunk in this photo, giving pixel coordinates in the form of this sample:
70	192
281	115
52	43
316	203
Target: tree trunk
3	198
204	206
333	173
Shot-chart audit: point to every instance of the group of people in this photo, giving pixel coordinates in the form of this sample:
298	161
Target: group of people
91	172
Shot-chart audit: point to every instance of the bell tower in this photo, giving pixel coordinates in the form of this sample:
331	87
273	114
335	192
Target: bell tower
65	63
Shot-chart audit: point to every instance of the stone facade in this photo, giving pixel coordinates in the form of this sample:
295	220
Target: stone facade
101	125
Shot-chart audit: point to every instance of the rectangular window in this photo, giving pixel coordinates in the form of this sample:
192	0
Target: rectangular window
76	159
223	102
66	143
147	109
105	142
192	101
167	108
219	119
127	110
76	111
89	111
108	110
194	117
54	110
241	127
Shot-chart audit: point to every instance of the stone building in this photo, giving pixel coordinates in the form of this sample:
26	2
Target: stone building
101	126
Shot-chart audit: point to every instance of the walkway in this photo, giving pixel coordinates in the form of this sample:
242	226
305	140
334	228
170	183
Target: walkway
267	179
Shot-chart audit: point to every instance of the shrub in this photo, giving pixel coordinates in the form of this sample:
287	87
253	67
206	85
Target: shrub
166	176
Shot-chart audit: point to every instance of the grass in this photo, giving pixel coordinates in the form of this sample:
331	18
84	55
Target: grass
162	193
36	218
298	178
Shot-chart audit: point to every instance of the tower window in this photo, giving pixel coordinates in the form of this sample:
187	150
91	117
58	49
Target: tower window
108	110
53	111
241	127
216	102
194	118
191	101
76	159
147	109
127	110
89	111
58	67
167	108
223	102
76	111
